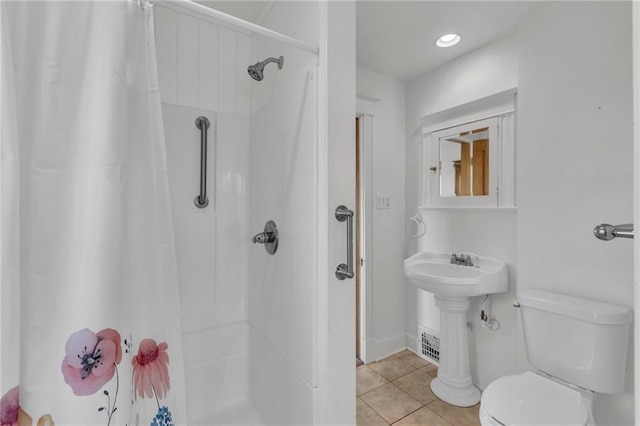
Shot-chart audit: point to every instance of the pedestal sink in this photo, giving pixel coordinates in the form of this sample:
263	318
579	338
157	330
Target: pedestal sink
452	286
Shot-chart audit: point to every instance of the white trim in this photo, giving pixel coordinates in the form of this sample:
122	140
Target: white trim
501	110
367	98
324	346
469	209
365	108
378	349
366	206
490	106
433	158
199	11
636	200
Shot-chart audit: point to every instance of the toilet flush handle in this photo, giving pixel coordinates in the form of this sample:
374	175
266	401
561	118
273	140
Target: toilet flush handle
516	304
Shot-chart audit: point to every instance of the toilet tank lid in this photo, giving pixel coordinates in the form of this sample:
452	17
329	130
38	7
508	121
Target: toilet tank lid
575	307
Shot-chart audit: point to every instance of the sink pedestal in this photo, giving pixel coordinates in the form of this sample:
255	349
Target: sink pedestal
453	384
452	284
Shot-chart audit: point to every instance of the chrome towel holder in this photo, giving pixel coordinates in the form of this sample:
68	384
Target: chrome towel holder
608	232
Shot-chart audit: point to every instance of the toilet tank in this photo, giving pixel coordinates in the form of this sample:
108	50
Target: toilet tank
581	341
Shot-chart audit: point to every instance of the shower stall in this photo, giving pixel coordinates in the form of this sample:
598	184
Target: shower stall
164	240
249	327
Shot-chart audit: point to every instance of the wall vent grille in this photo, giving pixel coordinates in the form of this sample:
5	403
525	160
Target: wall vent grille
429	345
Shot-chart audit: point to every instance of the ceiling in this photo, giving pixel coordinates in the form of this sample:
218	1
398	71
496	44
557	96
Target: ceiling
396	38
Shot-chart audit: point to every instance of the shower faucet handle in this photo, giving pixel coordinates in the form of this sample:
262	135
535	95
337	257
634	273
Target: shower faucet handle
269	237
264	238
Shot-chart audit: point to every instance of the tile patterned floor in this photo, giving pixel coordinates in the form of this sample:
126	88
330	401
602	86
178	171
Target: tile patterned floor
396	391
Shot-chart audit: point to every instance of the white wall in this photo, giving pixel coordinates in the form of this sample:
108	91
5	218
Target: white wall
384	284
249	322
282	287
636	178
575	159
297	19
573	171
336	393
331	25
198	68
483	72
199	63
488	71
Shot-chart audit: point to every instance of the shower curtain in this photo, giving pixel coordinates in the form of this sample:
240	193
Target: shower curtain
90	331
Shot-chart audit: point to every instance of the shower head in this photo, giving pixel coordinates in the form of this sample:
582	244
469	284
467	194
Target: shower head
257	71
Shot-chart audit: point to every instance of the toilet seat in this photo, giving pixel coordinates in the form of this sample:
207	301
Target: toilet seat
530	399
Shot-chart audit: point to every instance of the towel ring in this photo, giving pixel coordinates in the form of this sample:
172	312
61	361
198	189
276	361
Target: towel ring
421	227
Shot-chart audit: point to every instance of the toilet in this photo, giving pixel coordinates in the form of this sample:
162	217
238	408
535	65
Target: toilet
578	348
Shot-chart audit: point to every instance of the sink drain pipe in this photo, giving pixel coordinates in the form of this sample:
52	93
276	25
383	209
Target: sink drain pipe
485	316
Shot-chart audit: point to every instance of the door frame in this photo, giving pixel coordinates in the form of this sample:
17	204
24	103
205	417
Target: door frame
636	197
364	211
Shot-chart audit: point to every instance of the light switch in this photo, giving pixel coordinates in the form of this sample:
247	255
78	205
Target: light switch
383	202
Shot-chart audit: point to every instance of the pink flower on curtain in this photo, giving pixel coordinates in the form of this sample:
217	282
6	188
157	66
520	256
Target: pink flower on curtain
11	414
151	370
91	360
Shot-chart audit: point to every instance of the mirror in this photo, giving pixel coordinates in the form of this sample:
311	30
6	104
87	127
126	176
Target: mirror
471	165
464	163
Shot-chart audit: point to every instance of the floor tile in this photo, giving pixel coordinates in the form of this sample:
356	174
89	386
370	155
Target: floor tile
391	368
390	402
397	388
431	370
367	379
366	416
417	384
422	417
459	416
412	359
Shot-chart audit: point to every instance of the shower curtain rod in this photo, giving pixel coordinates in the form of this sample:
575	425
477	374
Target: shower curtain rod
199	11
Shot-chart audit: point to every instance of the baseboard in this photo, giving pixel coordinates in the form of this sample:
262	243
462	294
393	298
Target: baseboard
382	348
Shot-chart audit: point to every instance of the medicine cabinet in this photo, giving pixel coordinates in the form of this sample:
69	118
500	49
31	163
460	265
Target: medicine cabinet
471	164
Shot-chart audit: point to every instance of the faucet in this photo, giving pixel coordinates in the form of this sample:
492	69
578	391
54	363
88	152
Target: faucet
264	238
462	259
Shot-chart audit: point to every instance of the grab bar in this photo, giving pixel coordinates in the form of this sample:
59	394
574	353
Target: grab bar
608	232
346	271
201	201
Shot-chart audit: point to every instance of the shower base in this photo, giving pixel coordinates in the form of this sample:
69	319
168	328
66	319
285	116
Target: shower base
241	413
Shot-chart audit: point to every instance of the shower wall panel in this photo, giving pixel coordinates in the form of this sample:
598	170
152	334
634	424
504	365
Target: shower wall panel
283	188
200	63
198	67
249	318
212	256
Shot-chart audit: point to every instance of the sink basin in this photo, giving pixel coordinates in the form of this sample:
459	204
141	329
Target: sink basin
435	273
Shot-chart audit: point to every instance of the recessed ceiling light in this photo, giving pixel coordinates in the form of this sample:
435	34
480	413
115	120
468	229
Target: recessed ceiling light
448	40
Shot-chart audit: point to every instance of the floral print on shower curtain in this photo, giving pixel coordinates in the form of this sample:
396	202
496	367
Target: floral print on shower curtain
92	360
90	363
90	306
